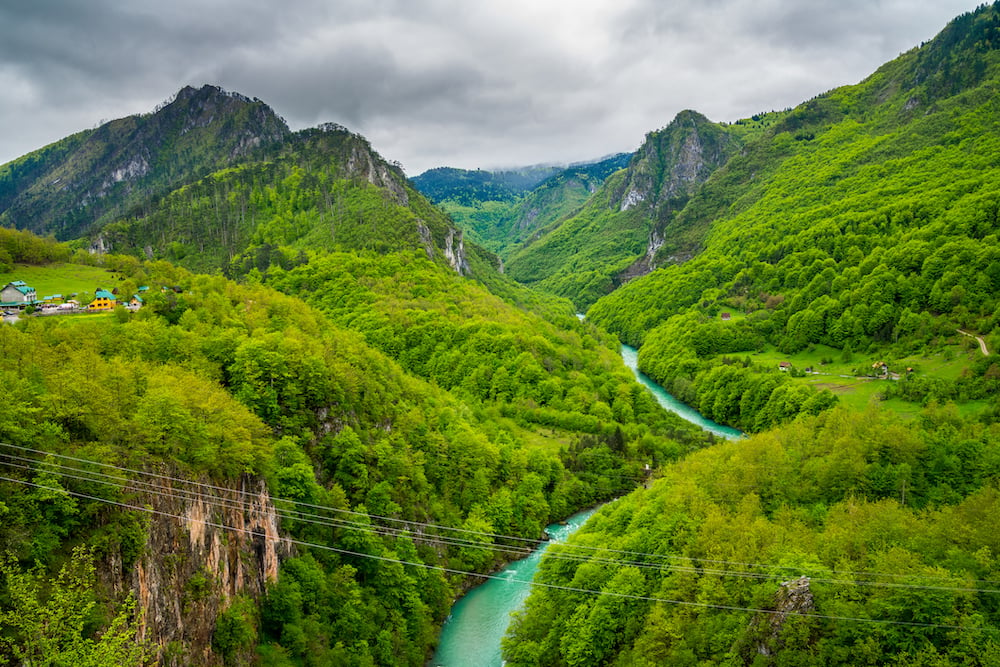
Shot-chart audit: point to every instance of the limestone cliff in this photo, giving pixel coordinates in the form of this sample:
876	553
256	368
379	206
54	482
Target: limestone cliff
766	634
666	171
204	546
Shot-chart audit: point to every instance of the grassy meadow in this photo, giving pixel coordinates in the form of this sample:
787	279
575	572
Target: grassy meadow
62	279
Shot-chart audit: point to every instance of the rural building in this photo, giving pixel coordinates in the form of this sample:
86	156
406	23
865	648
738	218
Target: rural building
17	294
103	300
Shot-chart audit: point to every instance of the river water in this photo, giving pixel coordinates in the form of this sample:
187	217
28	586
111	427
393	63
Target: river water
631	357
471	635
478	621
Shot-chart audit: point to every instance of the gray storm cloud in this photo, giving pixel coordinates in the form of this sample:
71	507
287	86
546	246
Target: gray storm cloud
445	82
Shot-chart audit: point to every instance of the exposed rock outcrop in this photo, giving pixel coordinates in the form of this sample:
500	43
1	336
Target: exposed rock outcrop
766	632
455	252
201	551
666	171
426	239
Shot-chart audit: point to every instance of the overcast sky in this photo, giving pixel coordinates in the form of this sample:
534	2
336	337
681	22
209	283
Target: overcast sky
463	83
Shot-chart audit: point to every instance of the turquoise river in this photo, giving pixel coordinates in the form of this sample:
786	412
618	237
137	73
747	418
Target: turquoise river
631	357
471	635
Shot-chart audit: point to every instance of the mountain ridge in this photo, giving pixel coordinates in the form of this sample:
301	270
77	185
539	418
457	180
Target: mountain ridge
71	186
619	230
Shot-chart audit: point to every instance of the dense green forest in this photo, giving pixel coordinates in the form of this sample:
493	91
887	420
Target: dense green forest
499	212
552	370
863	220
890	524
334	408
497	422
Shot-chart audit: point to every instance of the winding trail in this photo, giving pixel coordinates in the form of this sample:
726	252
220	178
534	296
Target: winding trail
982	343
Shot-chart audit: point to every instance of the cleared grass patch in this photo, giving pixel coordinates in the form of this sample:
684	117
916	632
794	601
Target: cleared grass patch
858	392
62	279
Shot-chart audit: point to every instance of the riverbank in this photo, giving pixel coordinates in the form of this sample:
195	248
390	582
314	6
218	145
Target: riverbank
479	619
631	358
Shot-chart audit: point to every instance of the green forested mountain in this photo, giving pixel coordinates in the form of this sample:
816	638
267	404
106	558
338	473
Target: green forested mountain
623	226
247	389
298	432
497	214
418	398
863	220
75	185
469	187
214	181
836	540
324	189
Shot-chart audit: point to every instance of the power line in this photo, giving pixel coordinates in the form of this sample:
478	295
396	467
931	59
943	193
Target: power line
559	554
537	584
409	523
535	542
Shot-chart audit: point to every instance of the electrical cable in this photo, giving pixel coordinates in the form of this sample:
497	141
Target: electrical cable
227	504
484	534
536	584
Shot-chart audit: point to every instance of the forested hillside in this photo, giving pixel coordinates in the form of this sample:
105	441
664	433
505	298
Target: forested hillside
623	226
251	391
466	186
836	540
326	190
499	213
335	407
74	186
865	220
861	223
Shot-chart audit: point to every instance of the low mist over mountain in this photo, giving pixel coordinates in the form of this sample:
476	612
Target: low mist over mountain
502	209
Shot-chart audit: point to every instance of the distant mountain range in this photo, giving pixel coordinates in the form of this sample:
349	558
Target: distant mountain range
501	209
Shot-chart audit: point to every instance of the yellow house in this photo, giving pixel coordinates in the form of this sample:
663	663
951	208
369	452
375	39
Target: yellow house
103	300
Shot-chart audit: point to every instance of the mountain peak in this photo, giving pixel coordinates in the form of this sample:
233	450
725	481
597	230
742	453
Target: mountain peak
101	172
674	160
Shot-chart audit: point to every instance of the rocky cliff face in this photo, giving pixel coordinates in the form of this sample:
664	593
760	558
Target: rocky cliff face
454	252
766	636
665	172
201	552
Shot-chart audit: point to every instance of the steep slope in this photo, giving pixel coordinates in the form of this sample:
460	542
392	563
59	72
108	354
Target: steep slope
833	541
558	197
75	185
264	399
866	219
623	226
324	189
499	212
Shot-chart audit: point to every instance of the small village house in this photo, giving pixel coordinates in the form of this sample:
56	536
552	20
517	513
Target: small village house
103	300
17	294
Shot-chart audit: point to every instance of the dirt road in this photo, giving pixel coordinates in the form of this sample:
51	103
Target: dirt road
982	343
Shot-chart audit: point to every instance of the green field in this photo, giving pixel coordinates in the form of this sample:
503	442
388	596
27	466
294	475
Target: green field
831	371
62	279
